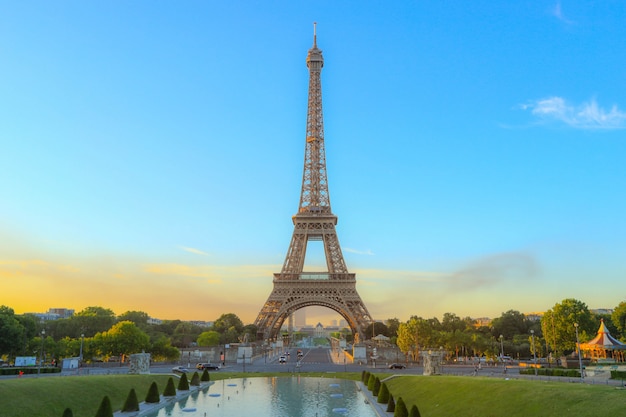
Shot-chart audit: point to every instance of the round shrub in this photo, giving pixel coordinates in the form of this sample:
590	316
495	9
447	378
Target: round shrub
383	395
68	413
170	389
401	410
131	403
153	394
105	409
183	383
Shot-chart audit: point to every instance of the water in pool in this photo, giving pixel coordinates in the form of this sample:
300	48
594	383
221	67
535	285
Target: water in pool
275	397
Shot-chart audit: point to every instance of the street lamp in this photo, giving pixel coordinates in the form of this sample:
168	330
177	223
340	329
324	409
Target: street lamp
80	356
501	349
580	359
43	334
532	335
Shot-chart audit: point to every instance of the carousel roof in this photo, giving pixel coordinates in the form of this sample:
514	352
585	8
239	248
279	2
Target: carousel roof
603	340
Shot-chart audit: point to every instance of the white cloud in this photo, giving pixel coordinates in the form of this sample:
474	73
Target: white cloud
193	250
358	252
588	115
558	13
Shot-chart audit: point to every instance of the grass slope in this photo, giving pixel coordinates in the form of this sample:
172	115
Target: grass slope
49	396
492	397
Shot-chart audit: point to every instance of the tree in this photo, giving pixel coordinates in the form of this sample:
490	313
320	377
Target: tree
619	320
557	325
391	405
209	338
123	338
92	320
185	333
374	329
138	317
230	327
162	349
12	332
510	324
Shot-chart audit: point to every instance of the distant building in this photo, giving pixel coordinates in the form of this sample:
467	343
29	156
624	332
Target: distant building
54	314
155	321
608	311
482	322
201	323
319	330
533	316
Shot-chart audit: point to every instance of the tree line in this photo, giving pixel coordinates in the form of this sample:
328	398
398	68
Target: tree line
100	335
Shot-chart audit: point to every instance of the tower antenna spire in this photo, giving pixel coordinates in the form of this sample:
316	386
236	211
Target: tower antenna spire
314	34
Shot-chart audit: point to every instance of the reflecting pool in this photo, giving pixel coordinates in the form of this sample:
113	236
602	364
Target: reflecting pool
275	397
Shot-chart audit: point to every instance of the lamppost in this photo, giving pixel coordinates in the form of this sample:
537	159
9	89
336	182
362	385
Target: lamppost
43	334
580	359
80	356
532	335
501	349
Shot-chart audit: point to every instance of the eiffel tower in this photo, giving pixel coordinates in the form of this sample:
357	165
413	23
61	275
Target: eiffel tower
294	288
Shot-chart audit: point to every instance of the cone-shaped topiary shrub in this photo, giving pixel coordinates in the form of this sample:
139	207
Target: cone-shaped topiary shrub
170	389
367	377
401	410
68	412
105	409
131	403
363	372
195	379
391	405
376	389
205	376
153	394
414	412
383	395
183	383
371	382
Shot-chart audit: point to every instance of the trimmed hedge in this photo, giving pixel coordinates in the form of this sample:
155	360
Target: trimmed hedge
68	412
618	374
105	409
183	383
205	376
376	389
170	389
401	410
414	412
383	395
131	403
195	380
153	394
29	370
572	373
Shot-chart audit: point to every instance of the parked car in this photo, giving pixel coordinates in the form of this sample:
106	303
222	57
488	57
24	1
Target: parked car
209	366
180	369
397	366
282	359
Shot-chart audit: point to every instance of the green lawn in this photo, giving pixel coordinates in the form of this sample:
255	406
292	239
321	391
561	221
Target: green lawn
49	396
436	396
440	396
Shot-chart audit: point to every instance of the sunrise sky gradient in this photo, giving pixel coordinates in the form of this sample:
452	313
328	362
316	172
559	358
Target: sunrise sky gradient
152	153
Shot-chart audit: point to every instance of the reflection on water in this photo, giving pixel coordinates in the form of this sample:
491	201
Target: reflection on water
276	397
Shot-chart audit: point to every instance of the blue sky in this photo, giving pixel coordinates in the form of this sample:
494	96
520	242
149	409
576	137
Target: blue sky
152	153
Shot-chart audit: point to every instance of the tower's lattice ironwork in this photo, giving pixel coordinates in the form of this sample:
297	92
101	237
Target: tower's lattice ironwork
294	288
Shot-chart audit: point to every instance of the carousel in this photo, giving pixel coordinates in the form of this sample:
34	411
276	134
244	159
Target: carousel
604	346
